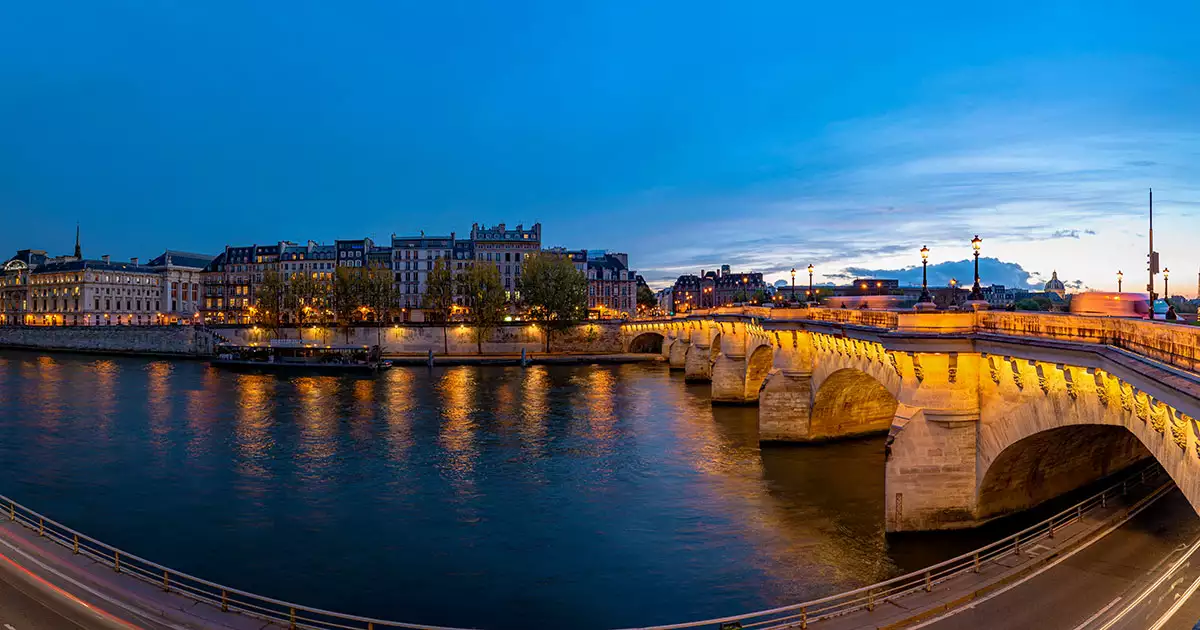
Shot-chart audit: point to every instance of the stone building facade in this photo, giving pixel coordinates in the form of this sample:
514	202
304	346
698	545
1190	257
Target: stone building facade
181	296
506	249
412	258
612	286
68	291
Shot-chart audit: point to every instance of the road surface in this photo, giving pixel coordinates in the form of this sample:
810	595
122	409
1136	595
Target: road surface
1142	576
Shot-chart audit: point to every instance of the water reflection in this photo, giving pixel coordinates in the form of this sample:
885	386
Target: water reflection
582	497
456	389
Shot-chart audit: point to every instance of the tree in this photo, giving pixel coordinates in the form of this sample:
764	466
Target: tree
438	300
760	297
554	291
300	297
269	301
379	294
485	297
1032	304
646	298
347	295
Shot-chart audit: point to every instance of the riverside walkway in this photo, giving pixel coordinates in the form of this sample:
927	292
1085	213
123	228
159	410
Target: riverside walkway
52	576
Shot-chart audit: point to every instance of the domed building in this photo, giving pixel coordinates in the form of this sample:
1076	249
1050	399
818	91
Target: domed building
1055	285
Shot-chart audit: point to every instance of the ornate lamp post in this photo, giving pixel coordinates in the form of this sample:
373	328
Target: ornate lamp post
811	296
925	275
794	285
1166	290
976	292
1120	276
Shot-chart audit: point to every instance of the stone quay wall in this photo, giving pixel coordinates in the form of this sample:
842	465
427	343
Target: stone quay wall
602	337
584	338
165	340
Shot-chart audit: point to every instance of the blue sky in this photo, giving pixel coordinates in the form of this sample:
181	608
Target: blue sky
763	134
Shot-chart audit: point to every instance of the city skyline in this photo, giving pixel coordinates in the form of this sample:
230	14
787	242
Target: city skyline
686	138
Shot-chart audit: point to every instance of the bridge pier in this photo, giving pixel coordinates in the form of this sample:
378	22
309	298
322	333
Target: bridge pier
785	407
679	352
729	380
930	479
698	366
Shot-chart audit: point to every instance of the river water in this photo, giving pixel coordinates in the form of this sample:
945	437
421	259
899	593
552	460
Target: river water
544	497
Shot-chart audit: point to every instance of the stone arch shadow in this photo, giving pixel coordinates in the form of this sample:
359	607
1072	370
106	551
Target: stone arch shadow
647	342
1046	464
849	402
758	367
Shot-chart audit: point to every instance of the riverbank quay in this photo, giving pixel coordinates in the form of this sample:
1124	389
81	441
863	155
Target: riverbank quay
565	358
600	339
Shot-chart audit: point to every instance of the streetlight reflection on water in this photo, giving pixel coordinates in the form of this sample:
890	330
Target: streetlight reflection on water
578	486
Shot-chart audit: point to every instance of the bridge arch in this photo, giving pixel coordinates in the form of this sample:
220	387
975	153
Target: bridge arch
1052	462
650	341
758	366
851	402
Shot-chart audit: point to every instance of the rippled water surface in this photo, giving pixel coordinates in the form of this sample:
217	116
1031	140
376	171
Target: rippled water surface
546	497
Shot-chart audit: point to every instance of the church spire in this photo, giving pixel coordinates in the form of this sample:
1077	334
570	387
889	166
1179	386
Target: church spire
78	251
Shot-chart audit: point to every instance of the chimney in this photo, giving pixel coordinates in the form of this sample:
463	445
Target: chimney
134	261
104	259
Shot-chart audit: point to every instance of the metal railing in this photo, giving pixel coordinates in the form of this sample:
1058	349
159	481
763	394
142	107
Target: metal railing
295	616
226	598
804	614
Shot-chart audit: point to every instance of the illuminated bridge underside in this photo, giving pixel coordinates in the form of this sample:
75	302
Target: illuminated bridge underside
986	413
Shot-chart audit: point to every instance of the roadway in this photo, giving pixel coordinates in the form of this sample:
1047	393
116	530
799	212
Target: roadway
1141	576
29	602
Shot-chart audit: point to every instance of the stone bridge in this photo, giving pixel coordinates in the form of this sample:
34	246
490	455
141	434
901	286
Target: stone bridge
986	413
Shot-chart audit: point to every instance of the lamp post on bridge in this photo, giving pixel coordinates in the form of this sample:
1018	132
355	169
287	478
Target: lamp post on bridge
811	296
794	285
1166	279
925	303
976	301
1120	276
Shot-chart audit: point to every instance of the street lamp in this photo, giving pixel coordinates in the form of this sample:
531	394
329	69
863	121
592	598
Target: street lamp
1120	276
794	285
976	292
925	275
1166	291
811	296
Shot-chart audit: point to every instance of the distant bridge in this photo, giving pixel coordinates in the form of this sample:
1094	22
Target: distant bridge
986	412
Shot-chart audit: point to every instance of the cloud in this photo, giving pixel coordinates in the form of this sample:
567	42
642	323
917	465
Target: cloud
991	271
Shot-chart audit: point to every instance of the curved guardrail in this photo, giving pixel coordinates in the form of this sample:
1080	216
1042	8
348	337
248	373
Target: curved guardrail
291	615
804	614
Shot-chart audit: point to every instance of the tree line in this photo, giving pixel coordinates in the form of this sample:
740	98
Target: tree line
550	292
